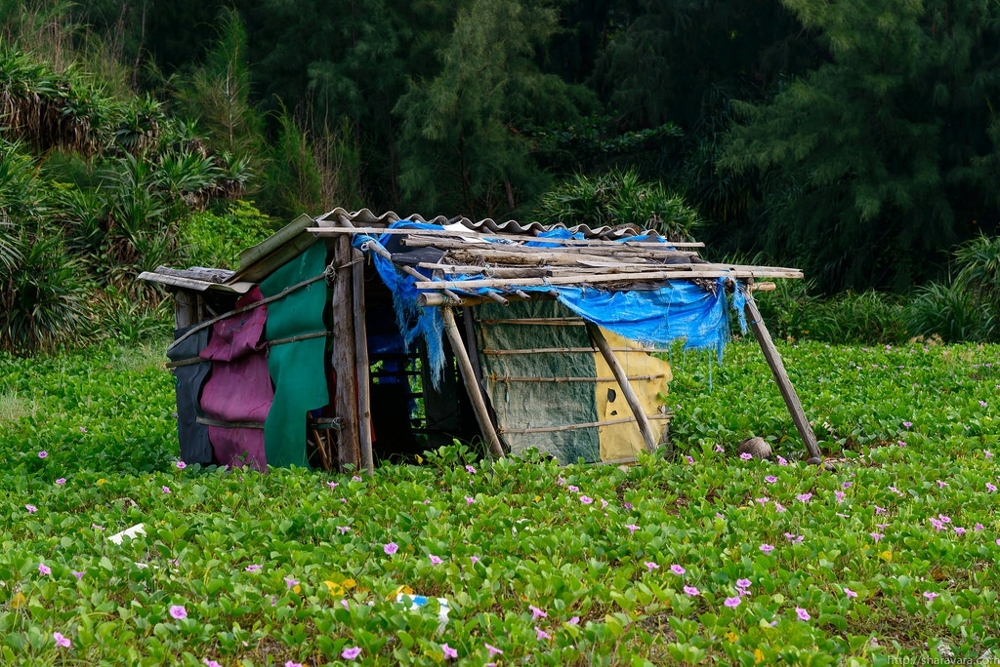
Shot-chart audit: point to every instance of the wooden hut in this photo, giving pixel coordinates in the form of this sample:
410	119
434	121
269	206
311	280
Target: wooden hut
354	337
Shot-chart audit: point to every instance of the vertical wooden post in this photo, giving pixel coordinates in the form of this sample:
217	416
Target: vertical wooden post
361	359
630	396
781	377
471	385
185	309
344	356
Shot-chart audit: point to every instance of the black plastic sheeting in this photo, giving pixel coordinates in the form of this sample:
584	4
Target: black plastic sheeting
189	379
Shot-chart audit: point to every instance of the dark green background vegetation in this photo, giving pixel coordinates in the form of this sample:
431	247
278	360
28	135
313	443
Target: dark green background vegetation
857	141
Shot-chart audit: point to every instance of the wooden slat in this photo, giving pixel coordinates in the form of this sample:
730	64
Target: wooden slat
596	279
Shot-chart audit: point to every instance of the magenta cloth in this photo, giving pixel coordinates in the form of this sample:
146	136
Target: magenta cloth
239	389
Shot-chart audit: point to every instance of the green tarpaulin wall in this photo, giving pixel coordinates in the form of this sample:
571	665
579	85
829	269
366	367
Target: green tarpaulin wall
512	381
297	369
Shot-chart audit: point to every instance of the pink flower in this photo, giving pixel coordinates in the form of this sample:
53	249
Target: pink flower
762	500
930	596
586	500
849	593
959	530
449	652
253	567
573	488
879	510
78	575
840	495
733	602
61	481
42	454
782	461
44	569
332	485
778	507
574	621
181	465
474	559
719	449
677	569
469	500
166	489
982	404
901	443
876	536
743	583
651	566
390	548
987	453
978	527
178	611
804	497
343	529
291	583
291	663
470	470
632	528
991	487
536	613
494	651
689	459
434	559
802	614
61	640
846	485
356	478
766	548
31	509
691	590
541	634
770	479
211	663
907	425
792	537
350	653
746	456
941	484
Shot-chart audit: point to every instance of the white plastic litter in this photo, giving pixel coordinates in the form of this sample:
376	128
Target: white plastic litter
418	601
130	533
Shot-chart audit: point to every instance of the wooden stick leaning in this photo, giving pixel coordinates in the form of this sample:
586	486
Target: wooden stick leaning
471	385
781	377
630	396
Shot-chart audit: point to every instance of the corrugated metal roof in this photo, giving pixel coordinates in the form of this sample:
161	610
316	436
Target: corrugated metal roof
364	217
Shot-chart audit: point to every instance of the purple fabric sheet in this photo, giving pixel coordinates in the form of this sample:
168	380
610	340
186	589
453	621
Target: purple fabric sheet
239	389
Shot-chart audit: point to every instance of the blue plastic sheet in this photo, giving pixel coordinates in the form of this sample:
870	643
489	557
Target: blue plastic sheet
677	310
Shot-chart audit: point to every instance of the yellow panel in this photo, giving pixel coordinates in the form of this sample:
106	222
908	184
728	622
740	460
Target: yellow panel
619	441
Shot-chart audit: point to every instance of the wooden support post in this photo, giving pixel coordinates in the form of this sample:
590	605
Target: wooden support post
471	385
781	377
630	396
185	309
361	359
344	355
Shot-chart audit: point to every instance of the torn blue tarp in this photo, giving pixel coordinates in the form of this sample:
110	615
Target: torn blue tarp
654	316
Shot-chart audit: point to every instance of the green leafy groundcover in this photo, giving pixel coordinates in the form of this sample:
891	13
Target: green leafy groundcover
703	558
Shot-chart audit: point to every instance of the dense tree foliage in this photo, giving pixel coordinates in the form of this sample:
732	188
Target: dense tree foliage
856	139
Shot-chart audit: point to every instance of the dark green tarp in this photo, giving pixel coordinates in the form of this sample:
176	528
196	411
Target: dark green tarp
297	369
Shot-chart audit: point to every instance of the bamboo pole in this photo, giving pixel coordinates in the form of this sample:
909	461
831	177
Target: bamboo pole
781	377
345	356
361	357
577	427
630	396
597	279
471	386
